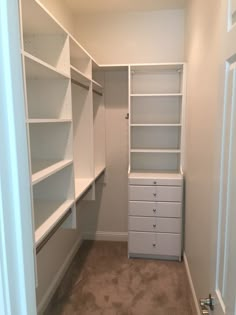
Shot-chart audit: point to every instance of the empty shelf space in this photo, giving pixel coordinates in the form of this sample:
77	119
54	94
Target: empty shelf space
37	69
81	186
47	215
41	169
79	77
99	171
46	121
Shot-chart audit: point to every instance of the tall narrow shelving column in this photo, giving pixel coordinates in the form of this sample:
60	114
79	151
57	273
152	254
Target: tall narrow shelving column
45	53
156	104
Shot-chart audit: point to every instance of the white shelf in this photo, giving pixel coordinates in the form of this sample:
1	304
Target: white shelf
46	121
38	69
157	95
45	168
99	171
81	185
47	214
154	151
153	174
155	125
79	76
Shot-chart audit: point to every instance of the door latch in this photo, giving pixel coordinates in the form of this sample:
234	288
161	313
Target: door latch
207	304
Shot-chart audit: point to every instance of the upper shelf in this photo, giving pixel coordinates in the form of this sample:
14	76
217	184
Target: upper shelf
156	95
37	20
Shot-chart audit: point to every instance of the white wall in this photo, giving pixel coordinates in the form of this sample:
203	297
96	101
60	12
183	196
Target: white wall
204	118
133	37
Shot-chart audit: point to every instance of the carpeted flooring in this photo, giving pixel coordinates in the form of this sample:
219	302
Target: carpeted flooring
103	281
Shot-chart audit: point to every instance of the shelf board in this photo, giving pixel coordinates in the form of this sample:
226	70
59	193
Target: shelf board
167	174
157	95
47	214
45	168
81	185
45	120
140	68
155	151
79	76
99	172
38	69
155	125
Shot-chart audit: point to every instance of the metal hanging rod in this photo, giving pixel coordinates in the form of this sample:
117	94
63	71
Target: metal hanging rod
98	93
52	232
79	84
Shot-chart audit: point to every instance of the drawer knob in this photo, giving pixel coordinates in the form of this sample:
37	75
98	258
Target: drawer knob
154	194
154	225
154	210
154	245
154	182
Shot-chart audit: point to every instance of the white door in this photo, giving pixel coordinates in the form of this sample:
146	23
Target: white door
225	282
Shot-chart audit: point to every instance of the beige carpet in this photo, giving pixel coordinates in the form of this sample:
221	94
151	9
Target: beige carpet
103	281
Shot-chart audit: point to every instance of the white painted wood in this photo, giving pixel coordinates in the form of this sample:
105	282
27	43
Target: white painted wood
82	109
79	76
155	125
163	179
159	209
49	99
155	162
155	193
47	121
38	69
155	94
168	244
155	138
142	243
81	186
44	168
153	224
52	49
154	151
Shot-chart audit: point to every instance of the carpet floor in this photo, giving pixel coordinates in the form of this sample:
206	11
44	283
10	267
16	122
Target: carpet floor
103	281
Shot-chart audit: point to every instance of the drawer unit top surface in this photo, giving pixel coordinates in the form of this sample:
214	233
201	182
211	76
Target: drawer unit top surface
164	179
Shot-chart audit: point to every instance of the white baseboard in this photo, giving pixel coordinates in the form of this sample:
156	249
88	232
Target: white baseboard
198	311
56	281
106	236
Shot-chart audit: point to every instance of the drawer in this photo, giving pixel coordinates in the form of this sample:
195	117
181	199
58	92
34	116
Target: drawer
155	193
142	243
160	209
147	243
153	224
161	180
142	193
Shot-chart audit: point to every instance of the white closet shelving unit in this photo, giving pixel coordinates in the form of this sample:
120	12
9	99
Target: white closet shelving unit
156	107
63	118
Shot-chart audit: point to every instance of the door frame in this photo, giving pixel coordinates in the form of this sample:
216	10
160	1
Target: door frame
17	274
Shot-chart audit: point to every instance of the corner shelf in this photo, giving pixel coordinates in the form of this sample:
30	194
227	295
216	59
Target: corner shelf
79	77
81	186
47	121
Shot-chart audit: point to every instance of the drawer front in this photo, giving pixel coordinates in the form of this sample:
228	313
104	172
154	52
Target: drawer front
160	209
168	225
169	209
171	193
148	243
142	193
152	224
168	244
157	181
142	243
139	208
143	224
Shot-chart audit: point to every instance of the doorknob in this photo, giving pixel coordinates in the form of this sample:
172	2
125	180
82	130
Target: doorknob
207	303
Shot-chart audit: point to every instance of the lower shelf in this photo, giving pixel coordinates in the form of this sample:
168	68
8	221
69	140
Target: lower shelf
47	214
81	186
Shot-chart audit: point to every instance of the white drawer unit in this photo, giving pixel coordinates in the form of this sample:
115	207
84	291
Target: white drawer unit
155	216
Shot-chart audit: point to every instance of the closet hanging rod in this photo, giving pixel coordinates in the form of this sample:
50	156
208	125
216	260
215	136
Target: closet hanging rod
98	93
52	232
79	84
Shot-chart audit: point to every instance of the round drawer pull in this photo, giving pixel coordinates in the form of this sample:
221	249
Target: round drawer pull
155	183
154	245
154	210
154	225
154	194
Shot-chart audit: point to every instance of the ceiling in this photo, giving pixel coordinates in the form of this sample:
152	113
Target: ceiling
109	6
